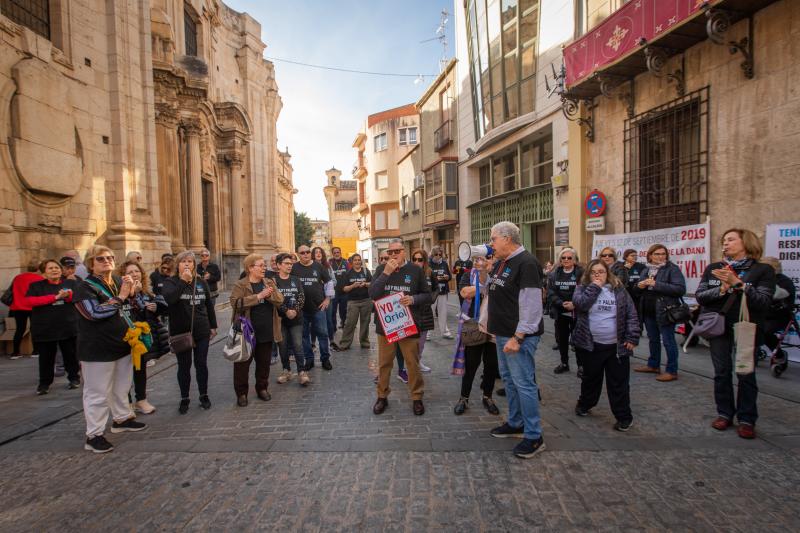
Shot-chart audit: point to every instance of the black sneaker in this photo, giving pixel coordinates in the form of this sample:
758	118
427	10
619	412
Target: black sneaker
129	425
501	392
41	391
418	408
528	448
580	411
460	407
205	403
490	406
560	369
327	365
98	444
74	385
506	431
623	426
335	347
183	408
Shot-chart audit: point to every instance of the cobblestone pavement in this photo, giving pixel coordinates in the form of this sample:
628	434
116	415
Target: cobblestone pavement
316	459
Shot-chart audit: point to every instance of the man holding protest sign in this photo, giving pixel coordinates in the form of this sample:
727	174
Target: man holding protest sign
399	276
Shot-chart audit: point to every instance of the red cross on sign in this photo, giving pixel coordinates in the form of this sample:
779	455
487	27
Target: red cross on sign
595	204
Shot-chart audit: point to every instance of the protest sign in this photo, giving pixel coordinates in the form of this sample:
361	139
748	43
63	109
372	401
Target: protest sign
395	317
783	242
688	248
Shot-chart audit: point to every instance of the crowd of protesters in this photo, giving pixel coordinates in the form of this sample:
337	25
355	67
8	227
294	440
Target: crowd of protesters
109	322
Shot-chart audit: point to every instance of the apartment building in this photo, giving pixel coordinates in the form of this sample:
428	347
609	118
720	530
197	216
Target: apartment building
342	196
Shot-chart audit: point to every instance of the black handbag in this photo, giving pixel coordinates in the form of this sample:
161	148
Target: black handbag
8	295
678	313
160	335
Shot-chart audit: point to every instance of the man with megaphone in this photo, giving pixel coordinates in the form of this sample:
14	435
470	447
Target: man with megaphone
516	321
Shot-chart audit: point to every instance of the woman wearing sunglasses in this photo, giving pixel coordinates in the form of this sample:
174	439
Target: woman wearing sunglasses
561	283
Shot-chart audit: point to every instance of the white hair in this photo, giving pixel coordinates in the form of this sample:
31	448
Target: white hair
396	240
507	229
568	249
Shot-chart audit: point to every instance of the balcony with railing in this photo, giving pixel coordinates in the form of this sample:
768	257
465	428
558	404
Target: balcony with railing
344	206
442	136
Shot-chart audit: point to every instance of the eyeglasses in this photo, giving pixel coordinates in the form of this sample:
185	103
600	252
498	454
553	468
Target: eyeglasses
419	260
436	255
287	262
260	266
659	253
105	258
606	255
383	259
598	272
567	258
304	252
394	252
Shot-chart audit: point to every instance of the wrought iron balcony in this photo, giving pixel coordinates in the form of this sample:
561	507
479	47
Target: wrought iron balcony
442	136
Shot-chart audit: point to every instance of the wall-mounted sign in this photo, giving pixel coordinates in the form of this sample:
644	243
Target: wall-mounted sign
562	235
595	204
596	224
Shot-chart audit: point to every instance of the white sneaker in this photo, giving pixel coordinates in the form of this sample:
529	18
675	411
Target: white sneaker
428	336
304	379
423	367
285	376
144	407
448	335
151	362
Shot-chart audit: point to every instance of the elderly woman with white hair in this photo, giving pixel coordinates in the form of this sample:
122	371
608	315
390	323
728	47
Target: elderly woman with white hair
561	283
191	310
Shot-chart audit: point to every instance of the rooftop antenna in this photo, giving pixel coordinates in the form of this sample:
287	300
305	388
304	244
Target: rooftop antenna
441	36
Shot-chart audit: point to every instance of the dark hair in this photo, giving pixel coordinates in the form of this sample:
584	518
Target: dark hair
628	252
281	257
145	280
354	256
586	279
426	267
43	265
335	248
164	256
324	261
655	247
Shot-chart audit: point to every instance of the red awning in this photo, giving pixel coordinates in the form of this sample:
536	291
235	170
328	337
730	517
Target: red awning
621	34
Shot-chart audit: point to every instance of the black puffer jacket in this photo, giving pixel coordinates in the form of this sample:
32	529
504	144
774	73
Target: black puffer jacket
759	285
669	288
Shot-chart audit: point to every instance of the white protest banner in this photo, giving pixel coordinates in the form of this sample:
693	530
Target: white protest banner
783	242
688	248
395	317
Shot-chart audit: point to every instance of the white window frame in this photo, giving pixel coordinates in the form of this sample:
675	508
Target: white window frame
404	136
380	142
381	176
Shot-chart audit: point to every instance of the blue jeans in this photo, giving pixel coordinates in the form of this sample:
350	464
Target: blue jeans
319	323
517	370
338	304
291	343
656	335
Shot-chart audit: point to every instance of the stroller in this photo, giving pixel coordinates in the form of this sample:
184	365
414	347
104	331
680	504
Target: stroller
775	339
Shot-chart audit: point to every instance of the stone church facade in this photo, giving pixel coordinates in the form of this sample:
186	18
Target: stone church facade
147	125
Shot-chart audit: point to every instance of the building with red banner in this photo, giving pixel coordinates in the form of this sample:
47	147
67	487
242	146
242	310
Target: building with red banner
682	112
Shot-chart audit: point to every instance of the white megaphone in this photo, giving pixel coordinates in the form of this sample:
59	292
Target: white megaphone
466	250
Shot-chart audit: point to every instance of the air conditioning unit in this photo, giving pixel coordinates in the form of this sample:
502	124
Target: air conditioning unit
419	181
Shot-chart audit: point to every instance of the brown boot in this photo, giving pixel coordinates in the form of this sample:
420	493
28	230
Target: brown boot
647	369
666	376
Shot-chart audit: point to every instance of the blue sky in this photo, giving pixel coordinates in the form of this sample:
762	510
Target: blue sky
323	110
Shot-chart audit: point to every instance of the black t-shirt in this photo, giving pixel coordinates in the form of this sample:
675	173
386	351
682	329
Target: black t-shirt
157	281
314	278
293	298
100	340
441	269
339	269
181	298
214	276
562	286
350	277
55	320
261	316
508	278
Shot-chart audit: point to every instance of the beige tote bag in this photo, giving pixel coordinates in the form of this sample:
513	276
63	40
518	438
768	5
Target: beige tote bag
744	336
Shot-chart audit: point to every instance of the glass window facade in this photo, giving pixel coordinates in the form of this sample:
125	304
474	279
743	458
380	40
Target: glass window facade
502	52
502	174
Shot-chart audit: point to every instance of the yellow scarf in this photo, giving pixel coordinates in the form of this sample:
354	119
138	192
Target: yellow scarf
134	338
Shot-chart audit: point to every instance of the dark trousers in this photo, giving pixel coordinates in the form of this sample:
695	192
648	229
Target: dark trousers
563	327
744	406
47	360
603	361
200	357
473	355
21	319
339	305
140	382
241	371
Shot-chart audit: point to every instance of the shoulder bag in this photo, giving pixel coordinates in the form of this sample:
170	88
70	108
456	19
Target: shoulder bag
239	343
744	338
8	295
711	324
183	342
678	313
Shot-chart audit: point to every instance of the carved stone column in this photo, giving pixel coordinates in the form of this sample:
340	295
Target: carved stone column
194	184
236	162
169	186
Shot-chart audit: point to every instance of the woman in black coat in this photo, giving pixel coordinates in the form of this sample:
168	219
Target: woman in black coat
144	306
54	324
561	283
663	286
188	296
740	273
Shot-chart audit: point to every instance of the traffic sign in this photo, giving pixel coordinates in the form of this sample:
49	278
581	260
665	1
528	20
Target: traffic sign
595	204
